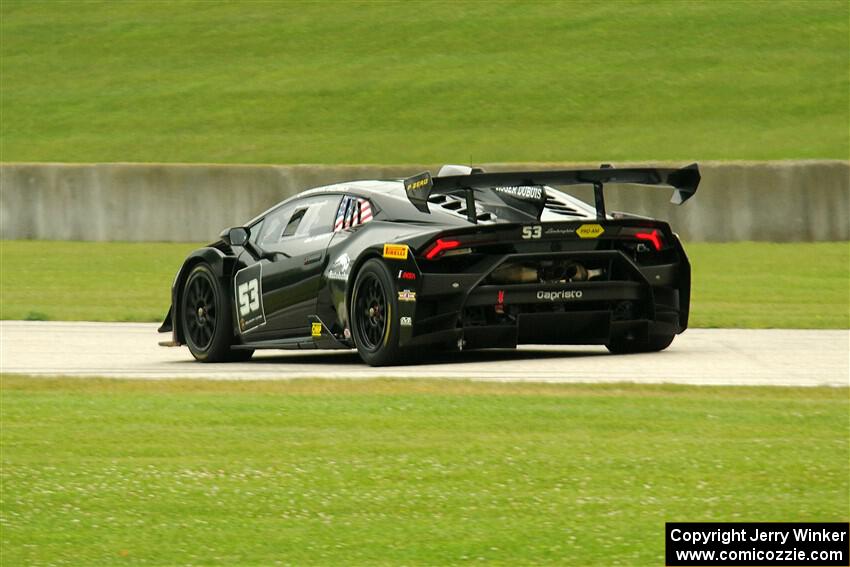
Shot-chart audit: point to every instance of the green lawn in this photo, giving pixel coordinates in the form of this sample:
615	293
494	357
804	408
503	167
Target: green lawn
88	281
746	284
413	82
108	472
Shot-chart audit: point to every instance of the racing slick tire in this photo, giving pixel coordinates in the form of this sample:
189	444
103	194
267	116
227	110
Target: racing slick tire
206	319
655	343
374	319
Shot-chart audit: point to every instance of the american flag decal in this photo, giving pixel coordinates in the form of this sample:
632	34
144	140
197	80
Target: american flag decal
353	211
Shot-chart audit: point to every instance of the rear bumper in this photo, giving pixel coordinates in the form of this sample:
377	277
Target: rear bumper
460	309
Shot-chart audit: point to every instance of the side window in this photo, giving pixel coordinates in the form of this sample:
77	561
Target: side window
304	218
293	222
272	226
353	211
317	216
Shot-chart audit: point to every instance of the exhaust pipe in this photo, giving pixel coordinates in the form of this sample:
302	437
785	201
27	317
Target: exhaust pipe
575	272
514	273
551	273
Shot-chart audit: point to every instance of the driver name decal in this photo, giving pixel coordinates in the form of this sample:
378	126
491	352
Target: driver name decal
522	191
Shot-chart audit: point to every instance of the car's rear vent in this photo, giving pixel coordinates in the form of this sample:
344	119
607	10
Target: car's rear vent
560	208
457	205
480	216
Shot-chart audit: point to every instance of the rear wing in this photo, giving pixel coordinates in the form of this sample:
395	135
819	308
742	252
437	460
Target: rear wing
684	182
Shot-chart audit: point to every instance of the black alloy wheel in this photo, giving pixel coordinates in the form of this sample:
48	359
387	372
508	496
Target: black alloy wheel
199	311
206	319
374	315
371	309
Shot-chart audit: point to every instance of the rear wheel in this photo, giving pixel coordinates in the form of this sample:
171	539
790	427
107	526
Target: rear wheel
374	310
206	318
654	344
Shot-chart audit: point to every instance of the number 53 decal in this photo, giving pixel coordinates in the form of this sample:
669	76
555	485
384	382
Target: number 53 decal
248	288
249	296
535	231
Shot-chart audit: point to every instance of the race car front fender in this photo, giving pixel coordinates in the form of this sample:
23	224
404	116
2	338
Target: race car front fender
221	265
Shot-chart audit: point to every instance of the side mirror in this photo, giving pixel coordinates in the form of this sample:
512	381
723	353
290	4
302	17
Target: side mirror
236	236
240	236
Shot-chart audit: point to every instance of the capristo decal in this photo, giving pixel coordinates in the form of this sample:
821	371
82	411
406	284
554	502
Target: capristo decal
560	295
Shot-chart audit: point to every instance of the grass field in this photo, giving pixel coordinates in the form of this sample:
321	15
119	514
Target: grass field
749	285
413	82
100	472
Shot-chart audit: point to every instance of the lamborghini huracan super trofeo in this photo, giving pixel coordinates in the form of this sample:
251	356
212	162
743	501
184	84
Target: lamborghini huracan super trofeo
464	259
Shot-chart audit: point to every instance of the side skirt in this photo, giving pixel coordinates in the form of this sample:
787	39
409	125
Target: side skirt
322	338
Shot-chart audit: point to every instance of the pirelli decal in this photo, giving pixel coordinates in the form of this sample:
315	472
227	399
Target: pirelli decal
395	251
590	231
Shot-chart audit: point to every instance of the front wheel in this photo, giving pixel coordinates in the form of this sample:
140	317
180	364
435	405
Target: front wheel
654	344
206	318
374	314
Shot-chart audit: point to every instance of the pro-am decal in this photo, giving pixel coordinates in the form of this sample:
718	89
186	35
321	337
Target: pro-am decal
316	329
248	288
590	231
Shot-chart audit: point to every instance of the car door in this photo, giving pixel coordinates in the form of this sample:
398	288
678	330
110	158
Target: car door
294	239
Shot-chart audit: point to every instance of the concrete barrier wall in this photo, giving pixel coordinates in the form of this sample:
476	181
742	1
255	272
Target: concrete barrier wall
771	201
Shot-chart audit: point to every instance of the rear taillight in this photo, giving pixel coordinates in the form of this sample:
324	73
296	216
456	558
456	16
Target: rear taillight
440	247
653	236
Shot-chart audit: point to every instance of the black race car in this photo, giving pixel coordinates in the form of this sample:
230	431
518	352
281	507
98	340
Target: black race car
465	259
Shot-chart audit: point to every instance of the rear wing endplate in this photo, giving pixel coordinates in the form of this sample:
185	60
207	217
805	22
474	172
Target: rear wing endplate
684	182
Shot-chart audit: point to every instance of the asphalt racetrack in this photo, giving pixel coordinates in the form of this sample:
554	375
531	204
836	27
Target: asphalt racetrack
699	356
